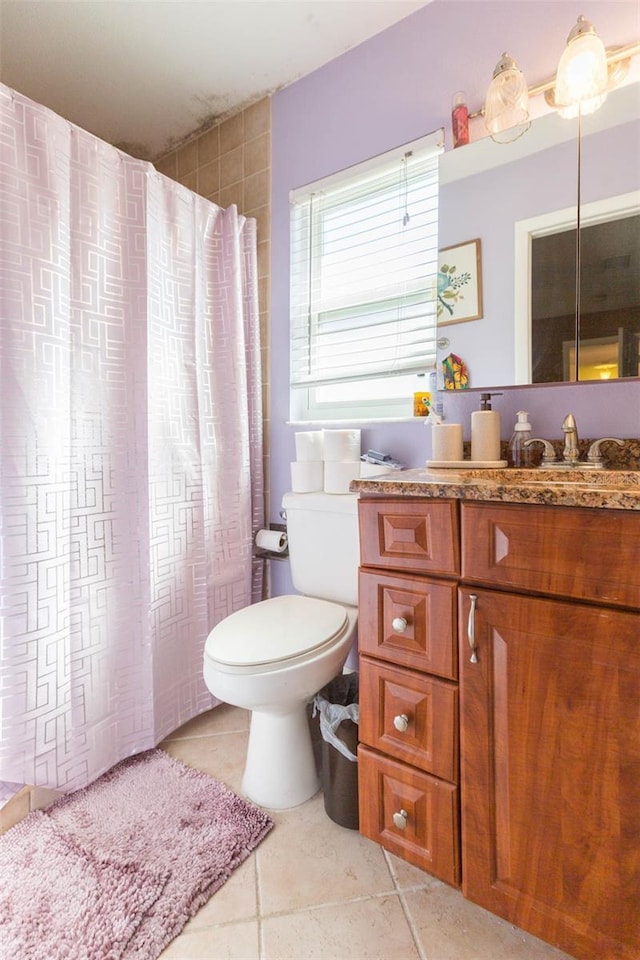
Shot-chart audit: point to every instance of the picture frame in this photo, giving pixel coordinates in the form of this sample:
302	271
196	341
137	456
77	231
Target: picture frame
460	283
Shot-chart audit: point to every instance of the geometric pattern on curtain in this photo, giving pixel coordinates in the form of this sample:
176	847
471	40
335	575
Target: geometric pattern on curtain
130	446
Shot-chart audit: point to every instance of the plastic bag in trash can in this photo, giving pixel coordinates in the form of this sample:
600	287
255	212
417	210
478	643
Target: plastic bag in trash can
335	703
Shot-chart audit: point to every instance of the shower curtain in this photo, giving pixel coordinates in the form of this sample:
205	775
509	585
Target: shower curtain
130	446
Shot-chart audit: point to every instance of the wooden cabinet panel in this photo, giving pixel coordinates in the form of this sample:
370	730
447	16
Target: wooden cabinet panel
572	552
424	611
411	717
550	770
404	534
425	831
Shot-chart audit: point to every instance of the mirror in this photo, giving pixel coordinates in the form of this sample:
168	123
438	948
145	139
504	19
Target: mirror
499	193
604	344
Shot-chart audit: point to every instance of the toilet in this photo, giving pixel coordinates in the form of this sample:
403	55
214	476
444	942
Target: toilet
273	656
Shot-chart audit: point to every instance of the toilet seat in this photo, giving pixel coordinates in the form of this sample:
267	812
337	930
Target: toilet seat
272	632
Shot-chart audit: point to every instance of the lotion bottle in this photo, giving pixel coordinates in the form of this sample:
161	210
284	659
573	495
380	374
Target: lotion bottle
485	431
460	120
518	454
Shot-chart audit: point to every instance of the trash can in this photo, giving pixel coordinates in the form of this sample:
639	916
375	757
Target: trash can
337	707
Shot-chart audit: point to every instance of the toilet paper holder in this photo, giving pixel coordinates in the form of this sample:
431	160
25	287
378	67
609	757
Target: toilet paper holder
265	554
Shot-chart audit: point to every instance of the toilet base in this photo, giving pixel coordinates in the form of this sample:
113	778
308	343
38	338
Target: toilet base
280	770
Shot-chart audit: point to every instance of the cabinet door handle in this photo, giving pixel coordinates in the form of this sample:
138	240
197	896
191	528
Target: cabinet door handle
400	819
399	624
471	628
401	722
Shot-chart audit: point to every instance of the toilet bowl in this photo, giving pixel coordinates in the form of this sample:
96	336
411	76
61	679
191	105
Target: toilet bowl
309	641
273	656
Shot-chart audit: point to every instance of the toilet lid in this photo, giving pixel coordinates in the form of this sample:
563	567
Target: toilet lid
275	629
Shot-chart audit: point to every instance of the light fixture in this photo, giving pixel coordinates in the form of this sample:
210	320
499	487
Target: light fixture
506	109
582	76
501	121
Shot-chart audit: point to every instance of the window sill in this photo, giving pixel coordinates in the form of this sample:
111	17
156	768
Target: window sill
357	421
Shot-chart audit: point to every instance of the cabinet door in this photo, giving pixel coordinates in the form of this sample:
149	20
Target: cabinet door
550	769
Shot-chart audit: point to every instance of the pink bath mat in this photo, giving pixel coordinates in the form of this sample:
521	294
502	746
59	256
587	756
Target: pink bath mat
115	870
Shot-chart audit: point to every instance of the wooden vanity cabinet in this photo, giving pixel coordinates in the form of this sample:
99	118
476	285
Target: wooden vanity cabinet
550	722
408	757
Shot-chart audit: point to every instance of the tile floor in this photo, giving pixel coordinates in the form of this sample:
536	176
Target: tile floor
315	890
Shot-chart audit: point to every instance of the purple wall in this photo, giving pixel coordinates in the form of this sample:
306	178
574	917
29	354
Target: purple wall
395	88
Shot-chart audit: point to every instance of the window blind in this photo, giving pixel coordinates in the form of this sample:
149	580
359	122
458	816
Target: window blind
364	260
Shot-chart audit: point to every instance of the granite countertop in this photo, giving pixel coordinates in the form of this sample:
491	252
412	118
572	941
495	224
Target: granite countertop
608	489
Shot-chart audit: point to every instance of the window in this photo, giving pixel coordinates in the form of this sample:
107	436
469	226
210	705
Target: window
364	254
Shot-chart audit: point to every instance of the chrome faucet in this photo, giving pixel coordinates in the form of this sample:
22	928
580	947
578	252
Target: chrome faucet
571	451
594	457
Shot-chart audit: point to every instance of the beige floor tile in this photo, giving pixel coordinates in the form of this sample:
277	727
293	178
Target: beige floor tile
222	719
324	891
232	941
313	861
372	929
234	901
16	809
220	756
406	876
452	928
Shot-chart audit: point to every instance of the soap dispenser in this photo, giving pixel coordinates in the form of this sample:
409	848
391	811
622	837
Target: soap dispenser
485	431
518	454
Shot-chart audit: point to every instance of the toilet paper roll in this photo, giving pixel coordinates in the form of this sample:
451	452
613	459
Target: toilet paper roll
342	445
309	445
446	442
307	476
339	474
275	541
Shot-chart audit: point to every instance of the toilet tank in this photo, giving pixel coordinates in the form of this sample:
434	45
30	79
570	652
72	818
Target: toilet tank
324	548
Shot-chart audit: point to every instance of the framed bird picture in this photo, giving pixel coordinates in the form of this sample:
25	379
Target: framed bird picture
460	283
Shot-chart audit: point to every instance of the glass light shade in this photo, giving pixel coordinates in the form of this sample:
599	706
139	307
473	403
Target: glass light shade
584	107
581	79
506	108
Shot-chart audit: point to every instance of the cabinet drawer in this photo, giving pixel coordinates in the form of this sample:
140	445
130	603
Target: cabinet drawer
408	621
410	717
573	552
426	832
416	535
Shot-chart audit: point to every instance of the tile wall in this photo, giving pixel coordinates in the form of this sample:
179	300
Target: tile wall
231	163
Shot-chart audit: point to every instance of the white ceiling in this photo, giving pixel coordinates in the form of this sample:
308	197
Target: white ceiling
144	74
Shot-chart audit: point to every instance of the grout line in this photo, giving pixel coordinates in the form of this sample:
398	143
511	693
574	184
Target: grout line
311	907
201	736
261	944
413	930
412	887
405	909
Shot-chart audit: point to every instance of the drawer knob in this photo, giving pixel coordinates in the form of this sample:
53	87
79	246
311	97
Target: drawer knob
401	722
400	819
399	624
